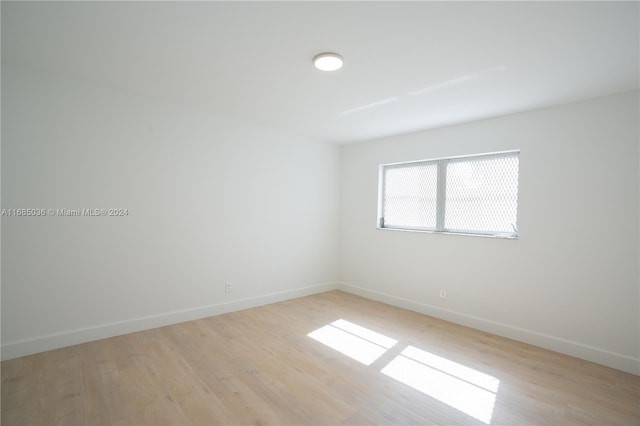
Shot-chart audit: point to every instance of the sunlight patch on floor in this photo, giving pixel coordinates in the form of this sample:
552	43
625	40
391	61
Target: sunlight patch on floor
460	387
463	388
354	341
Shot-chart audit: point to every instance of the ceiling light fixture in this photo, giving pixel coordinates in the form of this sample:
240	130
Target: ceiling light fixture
328	61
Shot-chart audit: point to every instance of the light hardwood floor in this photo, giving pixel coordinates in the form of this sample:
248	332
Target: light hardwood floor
259	366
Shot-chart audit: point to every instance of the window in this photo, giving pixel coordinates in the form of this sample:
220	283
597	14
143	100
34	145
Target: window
466	195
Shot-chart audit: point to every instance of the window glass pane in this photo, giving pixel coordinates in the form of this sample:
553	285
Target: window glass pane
482	195
410	194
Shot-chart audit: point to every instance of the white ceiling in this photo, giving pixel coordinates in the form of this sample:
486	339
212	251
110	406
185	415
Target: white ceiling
408	65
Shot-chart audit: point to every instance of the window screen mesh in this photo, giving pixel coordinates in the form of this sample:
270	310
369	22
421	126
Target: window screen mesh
482	195
410	196
476	194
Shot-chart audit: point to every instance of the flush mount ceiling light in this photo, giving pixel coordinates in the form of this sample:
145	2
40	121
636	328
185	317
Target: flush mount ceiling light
328	61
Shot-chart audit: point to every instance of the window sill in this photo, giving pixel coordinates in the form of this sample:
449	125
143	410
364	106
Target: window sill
466	234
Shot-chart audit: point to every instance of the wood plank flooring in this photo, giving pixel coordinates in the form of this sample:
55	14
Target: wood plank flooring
260	367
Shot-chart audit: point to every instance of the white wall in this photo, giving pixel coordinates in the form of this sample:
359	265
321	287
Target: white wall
210	200
570	283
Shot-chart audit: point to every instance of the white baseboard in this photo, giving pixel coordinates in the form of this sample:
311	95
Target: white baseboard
73	337
557	344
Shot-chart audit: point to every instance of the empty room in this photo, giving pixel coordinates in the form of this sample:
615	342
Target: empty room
320	213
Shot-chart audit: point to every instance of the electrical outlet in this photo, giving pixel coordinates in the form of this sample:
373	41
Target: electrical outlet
443	294
227	288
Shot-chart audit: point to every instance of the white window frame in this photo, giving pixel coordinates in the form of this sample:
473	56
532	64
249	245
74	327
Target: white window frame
441	195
